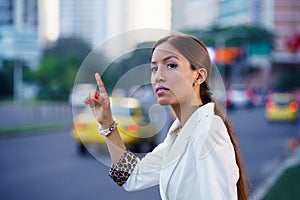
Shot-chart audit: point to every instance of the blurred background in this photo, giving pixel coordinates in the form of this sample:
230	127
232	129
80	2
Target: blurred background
255	45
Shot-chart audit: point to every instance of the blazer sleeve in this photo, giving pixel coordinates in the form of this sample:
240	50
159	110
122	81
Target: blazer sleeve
217	171
147	171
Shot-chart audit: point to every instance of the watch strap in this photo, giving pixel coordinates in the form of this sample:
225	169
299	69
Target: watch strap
106	132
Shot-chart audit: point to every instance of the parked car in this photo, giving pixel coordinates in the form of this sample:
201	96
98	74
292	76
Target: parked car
281	107
132	126
239	97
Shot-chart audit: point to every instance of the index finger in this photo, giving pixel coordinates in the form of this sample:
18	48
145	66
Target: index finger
100	83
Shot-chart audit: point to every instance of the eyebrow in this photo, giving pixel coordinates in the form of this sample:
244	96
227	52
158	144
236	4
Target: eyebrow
166	58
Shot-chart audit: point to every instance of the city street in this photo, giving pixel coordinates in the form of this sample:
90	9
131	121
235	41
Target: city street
48	166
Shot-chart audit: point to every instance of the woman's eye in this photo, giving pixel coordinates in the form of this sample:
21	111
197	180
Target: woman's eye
154	69
171	65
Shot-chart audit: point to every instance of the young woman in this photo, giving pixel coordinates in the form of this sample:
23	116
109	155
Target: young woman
199	158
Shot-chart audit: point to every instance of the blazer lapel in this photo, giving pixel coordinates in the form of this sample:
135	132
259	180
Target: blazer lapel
178	148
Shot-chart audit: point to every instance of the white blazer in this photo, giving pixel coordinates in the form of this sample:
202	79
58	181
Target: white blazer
199	163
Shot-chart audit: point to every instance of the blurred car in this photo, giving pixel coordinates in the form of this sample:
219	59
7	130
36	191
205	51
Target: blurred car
78	94
281	107
239	97
132	126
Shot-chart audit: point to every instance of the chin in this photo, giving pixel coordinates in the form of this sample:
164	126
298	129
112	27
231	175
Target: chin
163	101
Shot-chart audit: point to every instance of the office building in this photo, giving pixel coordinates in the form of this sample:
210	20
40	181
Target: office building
18	29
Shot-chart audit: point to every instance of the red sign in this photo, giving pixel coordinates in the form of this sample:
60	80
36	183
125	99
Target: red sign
293	43
227	55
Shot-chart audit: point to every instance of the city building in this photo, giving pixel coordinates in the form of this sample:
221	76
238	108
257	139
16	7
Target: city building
18	30
19	40
88	20
281	17
192	14
286	25
235	12
100	20
48	22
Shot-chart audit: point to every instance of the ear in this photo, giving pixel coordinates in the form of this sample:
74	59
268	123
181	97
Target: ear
202	75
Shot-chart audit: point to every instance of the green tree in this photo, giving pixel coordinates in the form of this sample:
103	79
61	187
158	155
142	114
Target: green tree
58	68
233	35
141	55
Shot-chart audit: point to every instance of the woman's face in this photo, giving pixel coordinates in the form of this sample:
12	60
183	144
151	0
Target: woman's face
172	77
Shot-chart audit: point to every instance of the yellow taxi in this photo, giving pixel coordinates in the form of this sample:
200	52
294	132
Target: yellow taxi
133	128
281	107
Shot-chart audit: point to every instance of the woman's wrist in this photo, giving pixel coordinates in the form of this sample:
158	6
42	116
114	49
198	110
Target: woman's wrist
107	123
107	131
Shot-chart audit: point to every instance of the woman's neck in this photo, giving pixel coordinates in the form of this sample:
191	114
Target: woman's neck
184	111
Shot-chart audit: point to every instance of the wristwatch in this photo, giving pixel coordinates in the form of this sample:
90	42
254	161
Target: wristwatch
106	132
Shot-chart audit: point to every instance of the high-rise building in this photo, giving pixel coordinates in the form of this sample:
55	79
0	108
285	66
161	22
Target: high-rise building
6	13
19	39
19	14
191	14
286	25
235	12
88	20
98	20
18	29
48	26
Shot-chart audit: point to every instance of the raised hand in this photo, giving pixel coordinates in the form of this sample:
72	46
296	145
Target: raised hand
99	103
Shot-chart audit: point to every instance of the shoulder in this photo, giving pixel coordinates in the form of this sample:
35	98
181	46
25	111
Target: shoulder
210	124
210	132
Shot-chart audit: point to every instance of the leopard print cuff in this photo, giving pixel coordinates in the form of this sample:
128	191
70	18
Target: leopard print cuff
121	171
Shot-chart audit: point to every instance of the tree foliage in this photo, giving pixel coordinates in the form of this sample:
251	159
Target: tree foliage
234	35
141	55
58	68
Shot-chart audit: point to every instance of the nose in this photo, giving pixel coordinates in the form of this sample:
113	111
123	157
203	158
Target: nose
159	75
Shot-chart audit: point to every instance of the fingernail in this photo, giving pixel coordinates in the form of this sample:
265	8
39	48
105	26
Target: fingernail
96	97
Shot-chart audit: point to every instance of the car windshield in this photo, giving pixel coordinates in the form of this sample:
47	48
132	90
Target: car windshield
281	102
281	99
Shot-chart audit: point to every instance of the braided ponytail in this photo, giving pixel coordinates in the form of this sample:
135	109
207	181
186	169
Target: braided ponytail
206	97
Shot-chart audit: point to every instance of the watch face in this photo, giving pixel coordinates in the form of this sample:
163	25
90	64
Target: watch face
111	128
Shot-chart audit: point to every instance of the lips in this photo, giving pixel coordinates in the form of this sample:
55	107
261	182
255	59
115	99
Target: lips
161	89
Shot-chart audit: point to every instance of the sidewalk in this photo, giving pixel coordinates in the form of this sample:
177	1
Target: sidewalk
284	182
16	118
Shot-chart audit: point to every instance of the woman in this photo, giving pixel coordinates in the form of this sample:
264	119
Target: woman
199	158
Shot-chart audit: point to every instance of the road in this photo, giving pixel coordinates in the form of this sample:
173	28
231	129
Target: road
47	166
263	145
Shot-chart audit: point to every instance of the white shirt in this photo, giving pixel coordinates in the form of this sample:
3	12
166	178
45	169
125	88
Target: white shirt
196	161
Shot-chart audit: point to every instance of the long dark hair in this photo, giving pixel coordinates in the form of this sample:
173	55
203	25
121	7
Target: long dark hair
196	53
